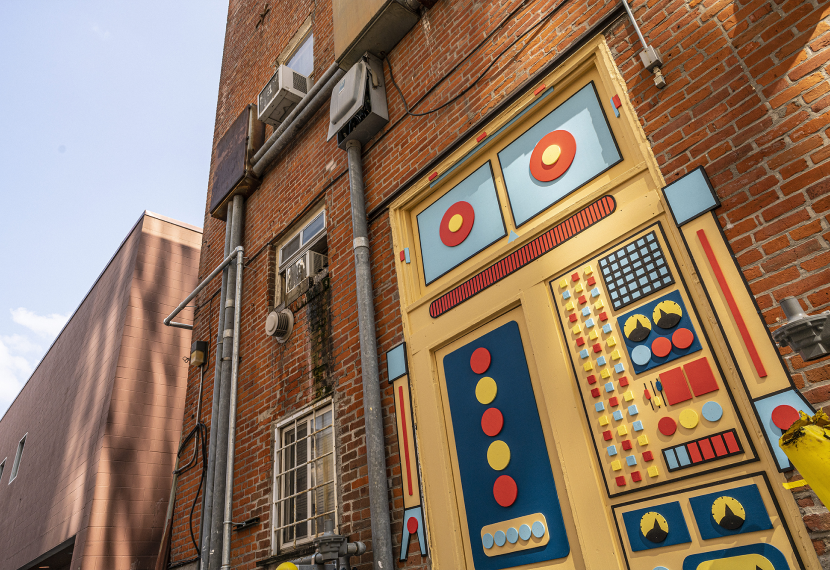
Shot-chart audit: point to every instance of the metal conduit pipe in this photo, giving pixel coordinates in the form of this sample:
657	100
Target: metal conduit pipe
375	452
226	539
292	125
221	466
319	84
207	498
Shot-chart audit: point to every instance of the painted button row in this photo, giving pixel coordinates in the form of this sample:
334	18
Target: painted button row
512	535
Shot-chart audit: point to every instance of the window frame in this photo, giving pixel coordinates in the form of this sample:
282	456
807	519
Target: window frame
299	38
304	247
309	35
307	414
18	457
2	467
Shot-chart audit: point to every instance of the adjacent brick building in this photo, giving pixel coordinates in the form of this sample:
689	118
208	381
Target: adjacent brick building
747	98
90	442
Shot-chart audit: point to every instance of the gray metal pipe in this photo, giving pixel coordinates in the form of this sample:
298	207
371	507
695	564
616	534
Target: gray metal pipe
300	119
319	84
219	475
207	498
228	523
373	416
634	23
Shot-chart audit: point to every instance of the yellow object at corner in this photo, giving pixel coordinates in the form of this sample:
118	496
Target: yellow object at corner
807	444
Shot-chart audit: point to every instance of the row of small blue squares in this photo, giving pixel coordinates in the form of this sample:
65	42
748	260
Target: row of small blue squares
612	450
637	426
583	353
589	323
566	295
631	460
599	406
609	387
586	311
618	368
595	292
601	361
606	328
682	457
632	410
618	415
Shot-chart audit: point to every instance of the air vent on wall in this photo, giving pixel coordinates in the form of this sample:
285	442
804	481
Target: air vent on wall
281	94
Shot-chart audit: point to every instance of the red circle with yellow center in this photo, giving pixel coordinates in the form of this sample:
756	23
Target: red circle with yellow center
457	223
552	156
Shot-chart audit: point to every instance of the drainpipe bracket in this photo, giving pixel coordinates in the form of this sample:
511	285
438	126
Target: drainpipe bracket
360	242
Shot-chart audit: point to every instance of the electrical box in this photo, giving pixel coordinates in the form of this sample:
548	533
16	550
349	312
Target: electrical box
281	94
303	267
358	103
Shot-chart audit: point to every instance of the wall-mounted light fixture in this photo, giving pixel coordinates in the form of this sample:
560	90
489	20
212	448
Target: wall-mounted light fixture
652	60
805	334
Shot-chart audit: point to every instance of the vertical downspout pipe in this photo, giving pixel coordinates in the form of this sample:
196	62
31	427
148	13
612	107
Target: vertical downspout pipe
220	471
207	498
226	540
372	413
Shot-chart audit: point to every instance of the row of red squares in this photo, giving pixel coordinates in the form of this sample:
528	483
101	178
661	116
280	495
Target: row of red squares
575	277
636	477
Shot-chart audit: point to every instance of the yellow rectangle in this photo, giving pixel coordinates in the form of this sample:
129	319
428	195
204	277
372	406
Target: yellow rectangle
577	329
605	373
593	336
622	430
588	366
603	420
599	305
653	471
612	341
643	440
616	465
615	355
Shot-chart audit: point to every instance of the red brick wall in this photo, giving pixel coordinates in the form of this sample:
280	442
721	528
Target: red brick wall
747	97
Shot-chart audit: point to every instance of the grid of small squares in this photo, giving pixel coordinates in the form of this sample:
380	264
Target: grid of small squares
635	271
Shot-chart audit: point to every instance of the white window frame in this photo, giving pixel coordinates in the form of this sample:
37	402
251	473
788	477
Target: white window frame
307	414
283	264
17	458
302	34
308	36
2	467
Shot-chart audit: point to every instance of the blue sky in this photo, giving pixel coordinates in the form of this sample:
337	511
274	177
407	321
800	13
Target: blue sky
106	110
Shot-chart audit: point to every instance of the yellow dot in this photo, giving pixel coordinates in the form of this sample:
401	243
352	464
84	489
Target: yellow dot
455	223
551	154
498	455
486	390
688	418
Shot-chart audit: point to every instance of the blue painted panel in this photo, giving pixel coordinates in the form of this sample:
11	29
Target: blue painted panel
596	151
750	498
678	531
647	310
396	362
529	462
765	406
479	190
768	551
690	196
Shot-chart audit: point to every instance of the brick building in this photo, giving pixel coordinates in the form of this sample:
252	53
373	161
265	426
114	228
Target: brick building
746	97
89	444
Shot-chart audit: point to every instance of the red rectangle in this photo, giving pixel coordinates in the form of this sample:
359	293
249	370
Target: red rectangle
706	449
621	481
433	176
700	377
694	452
675	387
731	443
481	137
636	477
717	443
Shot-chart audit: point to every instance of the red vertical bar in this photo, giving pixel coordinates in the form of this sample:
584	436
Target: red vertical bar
731	443
405	440
694	452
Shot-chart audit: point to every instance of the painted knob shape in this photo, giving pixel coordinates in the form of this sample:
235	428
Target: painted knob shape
641	355
546	164
524	532
492	421
667	426
551	155
412	525
637	328
500	538
480	360
728	512
667	314
498	455
486	390
689	418
661	347
505	490
455	223
487	541
712	411
453	237
512	535
682	338
784	416
538	529
654	527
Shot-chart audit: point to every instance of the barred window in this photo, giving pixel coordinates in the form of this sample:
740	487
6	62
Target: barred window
304	497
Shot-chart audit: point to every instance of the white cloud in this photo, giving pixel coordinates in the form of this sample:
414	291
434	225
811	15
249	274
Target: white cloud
102	34
14	368
47	326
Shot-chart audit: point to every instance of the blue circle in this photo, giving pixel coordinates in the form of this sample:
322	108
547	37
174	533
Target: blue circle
524	532
641	355
712	411
538	529
487	540
660	568
512	535
499	538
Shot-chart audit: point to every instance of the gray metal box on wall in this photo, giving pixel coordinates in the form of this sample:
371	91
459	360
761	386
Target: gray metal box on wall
358	103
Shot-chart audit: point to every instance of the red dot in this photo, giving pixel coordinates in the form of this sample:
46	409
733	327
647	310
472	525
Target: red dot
492	421
505	490
480	360
682	338
661	347
412	525
468	215
567	145
667	426
783	416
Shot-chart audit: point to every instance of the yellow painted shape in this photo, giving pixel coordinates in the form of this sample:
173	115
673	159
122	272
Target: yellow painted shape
658	401
578	288
599	305
611	341
594	335
605	373
532	542
287	566
569	305
689	418
652	519
795	484
653	471
719	508
577	329
486	390
455	223
563	283
603	420
628	396
810	454
615	355
414	498
498	455
551	155
643	440
753	561
588	366
616	465
588	270
622	430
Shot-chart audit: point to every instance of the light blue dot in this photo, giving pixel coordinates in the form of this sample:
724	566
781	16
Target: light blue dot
583	353
660	568
606	328
618	415
589	323
512	535
632	410
538	529
712	411
631	460
619	368
500	538
641	355
595	292
612	450
524	532
637	426
599	406
601	361
487	540
566	295
586	311
609	387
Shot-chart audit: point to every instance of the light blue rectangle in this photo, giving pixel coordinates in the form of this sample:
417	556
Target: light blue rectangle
589	323
581	115
671	459
396	362
682	456
609	387
601	361
619	368
612	450
479	190
595	292
599	406
586	311
638	425
631	460
632	410
583	353
690	196
566	295
765	407
618	415
606	328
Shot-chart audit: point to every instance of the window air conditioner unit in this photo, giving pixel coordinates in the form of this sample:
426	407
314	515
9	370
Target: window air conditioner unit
281	94
307	265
